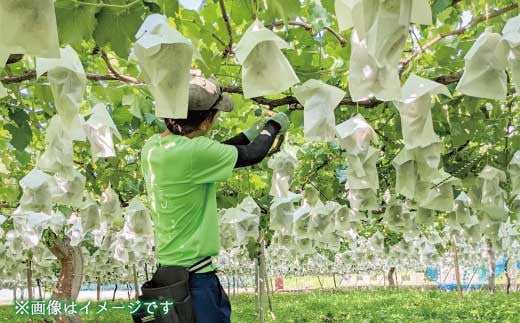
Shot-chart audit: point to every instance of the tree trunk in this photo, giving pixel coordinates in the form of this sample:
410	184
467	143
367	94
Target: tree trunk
136	284
319	281
491	277
128	290
260	291
256	278
457	270
269	292
511	270
508	279
71	274
228	284
98	289
334	279
265	278
39	283
114	295
391	280
29	279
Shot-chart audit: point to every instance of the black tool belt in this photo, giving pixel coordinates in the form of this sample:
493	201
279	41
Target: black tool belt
166	298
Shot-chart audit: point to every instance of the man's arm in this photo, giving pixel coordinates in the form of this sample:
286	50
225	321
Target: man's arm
240	139
257	149
247	136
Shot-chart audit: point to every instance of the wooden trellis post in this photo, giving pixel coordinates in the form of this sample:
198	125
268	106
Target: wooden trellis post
29	277
98	288
136	285
491	275
457	269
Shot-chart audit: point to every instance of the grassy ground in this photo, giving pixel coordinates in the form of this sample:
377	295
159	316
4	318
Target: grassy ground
353	306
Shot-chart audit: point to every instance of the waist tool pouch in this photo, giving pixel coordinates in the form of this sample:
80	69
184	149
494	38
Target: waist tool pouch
166	297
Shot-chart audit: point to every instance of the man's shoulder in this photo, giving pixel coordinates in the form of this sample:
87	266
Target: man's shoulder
149	144
202	139
203	143
152	138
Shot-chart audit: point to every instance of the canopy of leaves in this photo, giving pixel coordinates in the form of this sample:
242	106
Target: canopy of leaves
474	131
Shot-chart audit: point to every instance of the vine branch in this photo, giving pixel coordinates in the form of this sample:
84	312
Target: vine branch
108	5
229	48
338	36
115	73
372	103
271	103
31	74
308	27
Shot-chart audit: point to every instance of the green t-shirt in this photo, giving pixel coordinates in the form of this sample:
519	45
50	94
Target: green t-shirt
180	175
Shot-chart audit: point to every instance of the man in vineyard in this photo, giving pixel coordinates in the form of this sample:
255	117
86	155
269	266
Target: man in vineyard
181	167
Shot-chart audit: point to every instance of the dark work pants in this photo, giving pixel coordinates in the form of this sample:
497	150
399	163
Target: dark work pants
210	302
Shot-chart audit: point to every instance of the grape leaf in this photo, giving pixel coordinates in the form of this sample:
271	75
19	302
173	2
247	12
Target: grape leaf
22	156
241	10
121	115
139	105
296	118
168	7
439	6
75	22
152	6
20	136
284	9
19	116
117	27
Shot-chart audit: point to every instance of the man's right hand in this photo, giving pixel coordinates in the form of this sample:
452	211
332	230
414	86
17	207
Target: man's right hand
282	120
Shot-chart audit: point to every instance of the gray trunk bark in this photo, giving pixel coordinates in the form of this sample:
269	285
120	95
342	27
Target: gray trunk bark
512	272
265	278
391	280
39	283
71	274
136	285
491	277
457	270
261	291
114	295
98	289
29	279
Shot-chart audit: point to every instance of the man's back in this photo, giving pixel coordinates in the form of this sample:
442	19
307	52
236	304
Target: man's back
180	174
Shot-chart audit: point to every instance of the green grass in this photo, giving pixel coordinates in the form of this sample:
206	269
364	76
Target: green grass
386	306
355	306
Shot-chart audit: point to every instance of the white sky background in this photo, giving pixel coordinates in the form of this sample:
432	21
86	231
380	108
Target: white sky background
191	4
195	4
